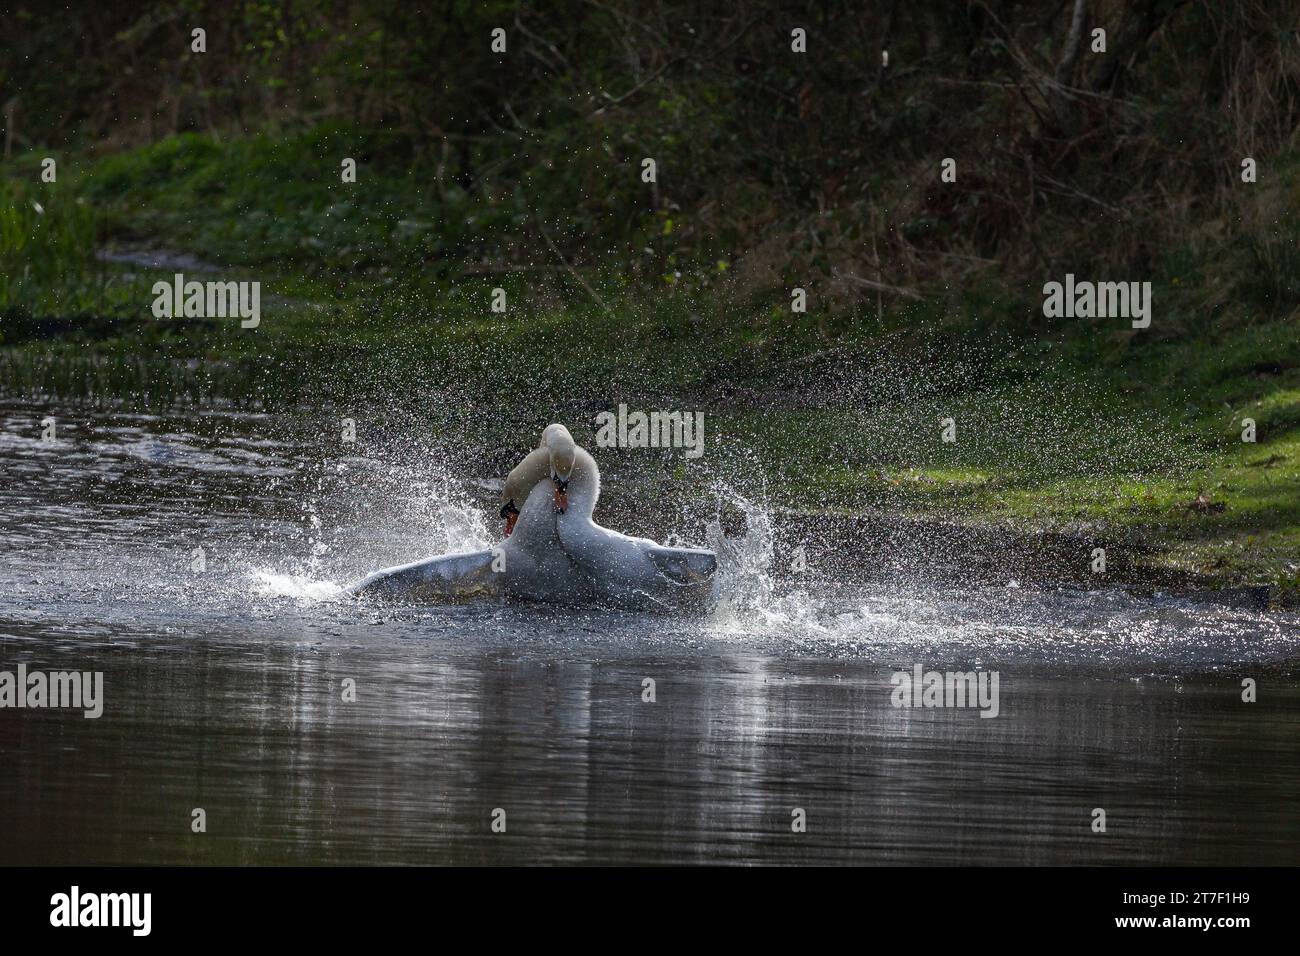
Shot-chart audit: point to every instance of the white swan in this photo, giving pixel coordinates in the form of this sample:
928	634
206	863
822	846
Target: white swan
553	550
627	571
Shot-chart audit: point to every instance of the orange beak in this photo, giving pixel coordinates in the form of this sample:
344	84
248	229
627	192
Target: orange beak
510	522
561	501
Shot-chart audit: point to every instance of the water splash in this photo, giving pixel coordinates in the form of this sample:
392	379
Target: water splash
748	596
302	588
369	513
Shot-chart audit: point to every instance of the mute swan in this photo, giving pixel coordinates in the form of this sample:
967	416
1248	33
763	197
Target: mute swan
630	572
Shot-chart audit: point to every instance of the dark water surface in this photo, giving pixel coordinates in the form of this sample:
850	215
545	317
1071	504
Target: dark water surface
224	688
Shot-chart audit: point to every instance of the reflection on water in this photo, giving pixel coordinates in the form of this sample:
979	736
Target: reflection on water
225	690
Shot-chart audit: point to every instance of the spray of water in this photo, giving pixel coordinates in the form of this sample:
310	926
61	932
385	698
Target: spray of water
747	595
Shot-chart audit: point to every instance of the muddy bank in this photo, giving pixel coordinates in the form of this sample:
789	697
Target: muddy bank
878	547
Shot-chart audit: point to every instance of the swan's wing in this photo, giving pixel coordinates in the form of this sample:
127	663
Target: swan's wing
452	577
685	566
606	554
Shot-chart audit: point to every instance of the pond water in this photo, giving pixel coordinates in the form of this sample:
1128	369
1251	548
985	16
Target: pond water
196	562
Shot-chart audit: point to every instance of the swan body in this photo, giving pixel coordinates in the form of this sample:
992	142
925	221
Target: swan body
534	565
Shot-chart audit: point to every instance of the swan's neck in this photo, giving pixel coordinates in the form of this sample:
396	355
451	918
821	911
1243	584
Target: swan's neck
526	474
584	485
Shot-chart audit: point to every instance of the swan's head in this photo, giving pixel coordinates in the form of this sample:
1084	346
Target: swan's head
513	493
563	453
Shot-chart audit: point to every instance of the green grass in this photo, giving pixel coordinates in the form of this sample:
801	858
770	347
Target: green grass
46	244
